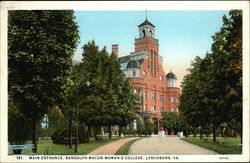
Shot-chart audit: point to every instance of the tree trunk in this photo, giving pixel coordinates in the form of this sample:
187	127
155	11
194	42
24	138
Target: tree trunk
89	132
201	133
110	132
222	132
96	132
194	134
241	130
35	135
70	131
120	131
214	134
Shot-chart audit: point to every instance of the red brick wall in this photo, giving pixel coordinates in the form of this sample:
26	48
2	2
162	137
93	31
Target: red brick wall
151	82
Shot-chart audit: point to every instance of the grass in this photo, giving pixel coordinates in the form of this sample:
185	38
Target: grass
228	148
125	148
63	149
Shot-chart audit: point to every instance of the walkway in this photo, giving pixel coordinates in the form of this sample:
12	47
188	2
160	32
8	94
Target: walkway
170	145
111	148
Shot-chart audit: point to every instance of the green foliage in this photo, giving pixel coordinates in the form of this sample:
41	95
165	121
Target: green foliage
40	53
212	92
19	128
173	120
109	99
129	130
41	44
149	127
61	136
124	150
62	149
56	121
229	148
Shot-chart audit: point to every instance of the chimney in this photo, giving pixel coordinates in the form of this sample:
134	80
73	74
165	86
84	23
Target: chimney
115	49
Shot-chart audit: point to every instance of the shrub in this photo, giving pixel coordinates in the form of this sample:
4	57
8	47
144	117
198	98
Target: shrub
19	126
61	136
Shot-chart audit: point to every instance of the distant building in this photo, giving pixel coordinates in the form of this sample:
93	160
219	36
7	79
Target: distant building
158	90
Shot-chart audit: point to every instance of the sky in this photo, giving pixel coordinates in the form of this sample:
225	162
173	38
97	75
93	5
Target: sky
182	35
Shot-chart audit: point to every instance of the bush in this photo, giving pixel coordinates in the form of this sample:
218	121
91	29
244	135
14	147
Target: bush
147	129
19	126
61	136
56	121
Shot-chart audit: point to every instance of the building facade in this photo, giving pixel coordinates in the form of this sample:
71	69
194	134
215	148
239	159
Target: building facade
157	89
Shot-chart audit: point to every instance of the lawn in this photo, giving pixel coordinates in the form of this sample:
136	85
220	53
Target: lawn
63	149
125	148
228	148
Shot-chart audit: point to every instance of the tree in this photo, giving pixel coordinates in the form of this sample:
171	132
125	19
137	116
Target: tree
109	99
212	92
56	121
227	56
173	120
41	45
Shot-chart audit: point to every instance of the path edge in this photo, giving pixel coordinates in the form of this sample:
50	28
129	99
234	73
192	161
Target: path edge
204	147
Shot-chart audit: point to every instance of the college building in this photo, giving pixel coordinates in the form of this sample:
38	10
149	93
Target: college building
158	90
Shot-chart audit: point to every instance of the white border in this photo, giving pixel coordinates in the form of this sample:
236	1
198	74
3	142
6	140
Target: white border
127	5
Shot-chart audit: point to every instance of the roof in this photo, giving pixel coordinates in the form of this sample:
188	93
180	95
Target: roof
171	75
133	64
146	22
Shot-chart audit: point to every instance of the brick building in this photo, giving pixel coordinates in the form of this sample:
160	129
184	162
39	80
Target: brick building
158	90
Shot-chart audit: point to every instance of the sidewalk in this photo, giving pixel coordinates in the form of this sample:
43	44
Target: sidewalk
170	145
111	148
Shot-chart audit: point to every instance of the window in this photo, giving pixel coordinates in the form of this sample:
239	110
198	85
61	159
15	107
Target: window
144	95
134	74
152	54
172	99
144	73
161	109
154	69
151	68
144	107
143	33
161	78
161	98
153	96
177	110
134	91
152	108
172	109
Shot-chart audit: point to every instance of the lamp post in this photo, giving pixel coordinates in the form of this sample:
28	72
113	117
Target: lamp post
76	137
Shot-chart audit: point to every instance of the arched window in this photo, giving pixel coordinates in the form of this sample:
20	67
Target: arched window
143	33
150	33
134	73
152	55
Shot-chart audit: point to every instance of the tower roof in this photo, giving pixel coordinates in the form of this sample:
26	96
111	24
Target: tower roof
171	75
133	64
146	22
